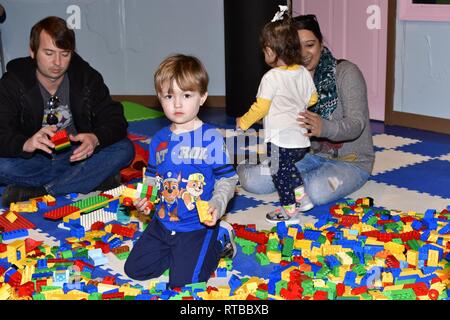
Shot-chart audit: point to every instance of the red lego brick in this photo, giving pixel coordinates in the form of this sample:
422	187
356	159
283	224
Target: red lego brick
392	262
40	283
26	289
20	223
340	289
98	225
61	212
3	247
289	295
349	220
109	280
420	288
300	236
123	231
15	279
320	295
116	295
252	297
359	290
102	245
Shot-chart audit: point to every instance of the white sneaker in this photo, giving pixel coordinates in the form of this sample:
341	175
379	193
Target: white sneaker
226	237
305	204
280	215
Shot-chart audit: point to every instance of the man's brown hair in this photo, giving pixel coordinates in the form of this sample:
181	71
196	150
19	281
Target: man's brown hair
188	72
57	28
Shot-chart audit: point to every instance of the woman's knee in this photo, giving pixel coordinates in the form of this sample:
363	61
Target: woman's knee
253	179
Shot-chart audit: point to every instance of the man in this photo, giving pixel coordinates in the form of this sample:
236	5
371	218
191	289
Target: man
56	89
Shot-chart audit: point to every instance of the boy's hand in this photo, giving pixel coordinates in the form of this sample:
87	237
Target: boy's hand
213	211
141	205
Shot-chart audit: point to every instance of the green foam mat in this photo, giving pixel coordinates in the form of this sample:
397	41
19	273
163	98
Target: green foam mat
135	112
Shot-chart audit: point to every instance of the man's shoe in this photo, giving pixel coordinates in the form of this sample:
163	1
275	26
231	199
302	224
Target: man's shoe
109	183
226	237
16	194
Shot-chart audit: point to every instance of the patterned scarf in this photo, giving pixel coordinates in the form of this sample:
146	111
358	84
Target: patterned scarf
325	81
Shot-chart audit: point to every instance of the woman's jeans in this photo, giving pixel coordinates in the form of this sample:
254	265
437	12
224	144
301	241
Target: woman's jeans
325	180
59	176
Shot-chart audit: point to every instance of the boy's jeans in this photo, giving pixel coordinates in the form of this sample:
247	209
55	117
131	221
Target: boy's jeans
59	176
325	180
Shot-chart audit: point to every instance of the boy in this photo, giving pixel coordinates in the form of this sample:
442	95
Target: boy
190	158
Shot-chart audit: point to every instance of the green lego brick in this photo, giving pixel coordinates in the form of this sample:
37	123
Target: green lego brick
404	294
288	246
95	296
262	259
359	269
38	296
123	255
95	202
279	285
261	294
248	250
67	254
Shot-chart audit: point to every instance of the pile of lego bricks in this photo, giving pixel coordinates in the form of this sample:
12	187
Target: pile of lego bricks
355	251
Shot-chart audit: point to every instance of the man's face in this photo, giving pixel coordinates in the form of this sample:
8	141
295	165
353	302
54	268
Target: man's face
52	62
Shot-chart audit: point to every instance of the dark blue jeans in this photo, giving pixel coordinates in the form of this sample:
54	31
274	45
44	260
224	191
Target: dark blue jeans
59	176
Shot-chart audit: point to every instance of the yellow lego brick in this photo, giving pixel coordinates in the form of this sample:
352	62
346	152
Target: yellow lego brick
11	216
412	257
411	272
72	216
24	206
202	209
373	241
407	228
433	258
302	244
378	295
286	274
273	235
152	284
224	290
274	256
319	283
344	258
399	256
316	251
49	293
394	247
5	291
128	291
48	198
393	287
438	286
71	295
433	237
275	297
306	253
222	264
309	226
292	232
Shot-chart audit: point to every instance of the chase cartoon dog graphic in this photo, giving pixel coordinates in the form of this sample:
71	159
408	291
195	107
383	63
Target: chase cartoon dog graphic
169	196
193	191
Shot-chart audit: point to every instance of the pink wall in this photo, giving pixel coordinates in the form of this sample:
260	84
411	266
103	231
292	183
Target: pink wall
344	24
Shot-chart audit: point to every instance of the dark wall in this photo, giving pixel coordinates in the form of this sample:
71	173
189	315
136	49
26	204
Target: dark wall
244	61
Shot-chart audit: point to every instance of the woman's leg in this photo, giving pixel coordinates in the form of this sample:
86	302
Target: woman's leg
256	178
329	180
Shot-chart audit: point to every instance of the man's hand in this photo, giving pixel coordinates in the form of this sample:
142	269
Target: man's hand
41	140
213	212
89	142
312	122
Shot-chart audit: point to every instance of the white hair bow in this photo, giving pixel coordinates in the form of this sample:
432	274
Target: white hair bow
279	15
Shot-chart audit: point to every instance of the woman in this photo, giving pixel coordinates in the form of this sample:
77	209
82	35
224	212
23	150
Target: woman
342	156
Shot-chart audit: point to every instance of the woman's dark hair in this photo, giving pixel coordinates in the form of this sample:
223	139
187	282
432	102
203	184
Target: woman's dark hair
281	36
308	22
57	28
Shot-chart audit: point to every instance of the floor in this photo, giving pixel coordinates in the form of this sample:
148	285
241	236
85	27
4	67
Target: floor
411	173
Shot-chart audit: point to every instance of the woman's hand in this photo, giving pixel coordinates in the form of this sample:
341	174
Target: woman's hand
312	122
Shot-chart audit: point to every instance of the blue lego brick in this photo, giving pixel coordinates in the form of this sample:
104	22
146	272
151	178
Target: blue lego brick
315	268
395	272
144	296
425	235
332	262
312	235
445	229
372	249
90	289
42	275
221	272
429	214
282	229
430	270
9	273
115	243
77	230
112	206
349	279
416	225
41	264
161	286
9	235
115	290
403	264
234	283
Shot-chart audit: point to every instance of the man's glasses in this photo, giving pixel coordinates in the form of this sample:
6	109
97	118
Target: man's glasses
52	104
